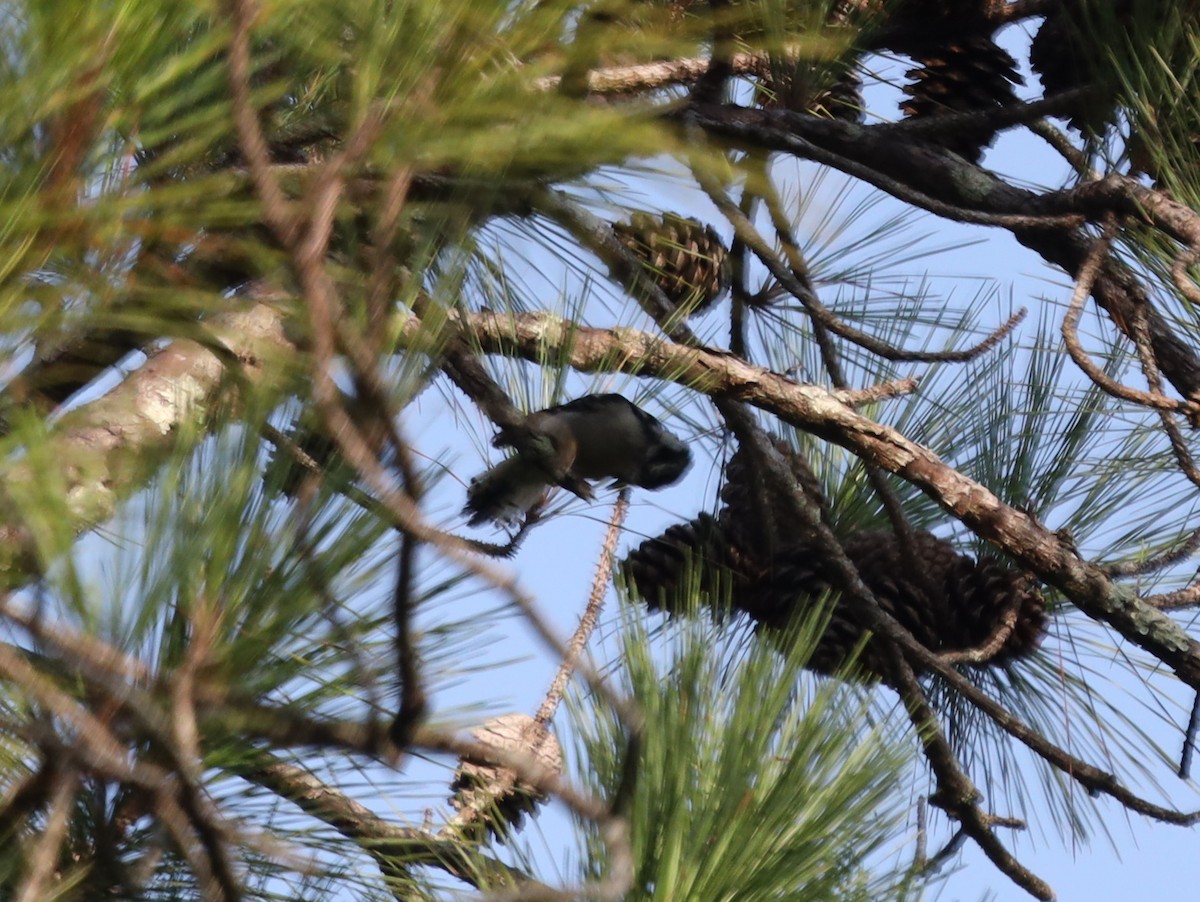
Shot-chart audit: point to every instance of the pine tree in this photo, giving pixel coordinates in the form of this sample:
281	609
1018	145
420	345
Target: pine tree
276	273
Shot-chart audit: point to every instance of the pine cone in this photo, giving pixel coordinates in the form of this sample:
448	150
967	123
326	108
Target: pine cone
910	588
842	100
922	25
491	797
755	516
948	601
689	559
1065	57
1073	49
685	257
761	551
967	73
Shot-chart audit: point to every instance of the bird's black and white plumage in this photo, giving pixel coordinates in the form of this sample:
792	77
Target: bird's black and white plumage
591	438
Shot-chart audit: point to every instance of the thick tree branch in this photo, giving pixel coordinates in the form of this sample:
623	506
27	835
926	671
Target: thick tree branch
107	449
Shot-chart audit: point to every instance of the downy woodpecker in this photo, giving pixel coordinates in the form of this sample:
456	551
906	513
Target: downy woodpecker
591	438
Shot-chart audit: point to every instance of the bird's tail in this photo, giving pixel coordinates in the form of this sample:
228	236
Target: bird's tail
506	492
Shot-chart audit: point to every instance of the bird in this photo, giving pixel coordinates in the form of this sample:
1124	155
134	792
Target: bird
592	438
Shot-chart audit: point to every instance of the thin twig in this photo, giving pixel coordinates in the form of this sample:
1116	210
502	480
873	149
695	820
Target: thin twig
1086	277
643	77
392	846
833	366
183	748
1189	740
739	257
945	853
1186	597
956	794
992	645
591	612
413	701
1183	456
1061	143
1180	552
1179	274
881	391
921	850
382	260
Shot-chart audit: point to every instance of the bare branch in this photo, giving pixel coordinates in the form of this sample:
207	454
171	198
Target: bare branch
413	701
591	612
1189	740
1083	288
1182	551
991	646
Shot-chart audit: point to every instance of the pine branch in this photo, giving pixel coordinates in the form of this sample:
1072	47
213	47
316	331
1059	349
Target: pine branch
396	849
945	184
807	407
107	448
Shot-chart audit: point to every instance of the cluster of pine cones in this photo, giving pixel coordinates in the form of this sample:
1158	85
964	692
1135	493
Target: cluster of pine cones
958	67
737	561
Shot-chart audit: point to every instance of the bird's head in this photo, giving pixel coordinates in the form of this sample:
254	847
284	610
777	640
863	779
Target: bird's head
668	458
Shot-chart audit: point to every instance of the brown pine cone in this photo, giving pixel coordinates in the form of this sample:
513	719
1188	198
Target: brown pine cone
963	74
491	798
686	258
757	518
1066	55
689	560
948	601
